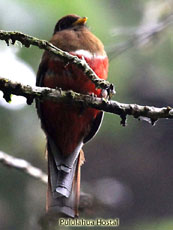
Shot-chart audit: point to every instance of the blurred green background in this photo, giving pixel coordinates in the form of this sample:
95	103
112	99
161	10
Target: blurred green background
128	170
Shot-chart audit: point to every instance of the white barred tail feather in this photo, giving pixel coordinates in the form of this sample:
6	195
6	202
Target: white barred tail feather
63	185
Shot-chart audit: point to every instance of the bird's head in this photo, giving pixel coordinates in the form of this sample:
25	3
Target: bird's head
70	22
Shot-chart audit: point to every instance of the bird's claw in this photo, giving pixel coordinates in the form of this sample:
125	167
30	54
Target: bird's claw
109	92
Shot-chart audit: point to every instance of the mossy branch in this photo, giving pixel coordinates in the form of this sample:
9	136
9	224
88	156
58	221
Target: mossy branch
57	95
27	41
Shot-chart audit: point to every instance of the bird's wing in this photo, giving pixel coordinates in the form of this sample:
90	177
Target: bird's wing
95	126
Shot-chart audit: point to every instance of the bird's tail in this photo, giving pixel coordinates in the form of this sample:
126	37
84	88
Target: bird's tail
77	180
63	183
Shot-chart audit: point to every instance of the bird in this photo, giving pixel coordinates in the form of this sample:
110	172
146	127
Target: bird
68	127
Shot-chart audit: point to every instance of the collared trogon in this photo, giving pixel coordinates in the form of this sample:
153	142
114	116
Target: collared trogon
66	126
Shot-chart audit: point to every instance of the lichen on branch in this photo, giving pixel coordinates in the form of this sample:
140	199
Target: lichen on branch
58	95
27	41
148	113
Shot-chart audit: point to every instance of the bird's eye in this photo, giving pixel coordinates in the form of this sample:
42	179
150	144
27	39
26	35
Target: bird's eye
61	26
64	25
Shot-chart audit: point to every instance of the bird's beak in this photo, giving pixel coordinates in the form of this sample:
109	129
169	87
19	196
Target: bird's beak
80	21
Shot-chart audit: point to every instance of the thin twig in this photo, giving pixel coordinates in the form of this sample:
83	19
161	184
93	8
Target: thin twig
58	95
140	36
86	200
27	41
23	166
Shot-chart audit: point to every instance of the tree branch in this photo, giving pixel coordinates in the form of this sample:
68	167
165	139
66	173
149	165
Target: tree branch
141	36
23	166
27	41
57	95
86	200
